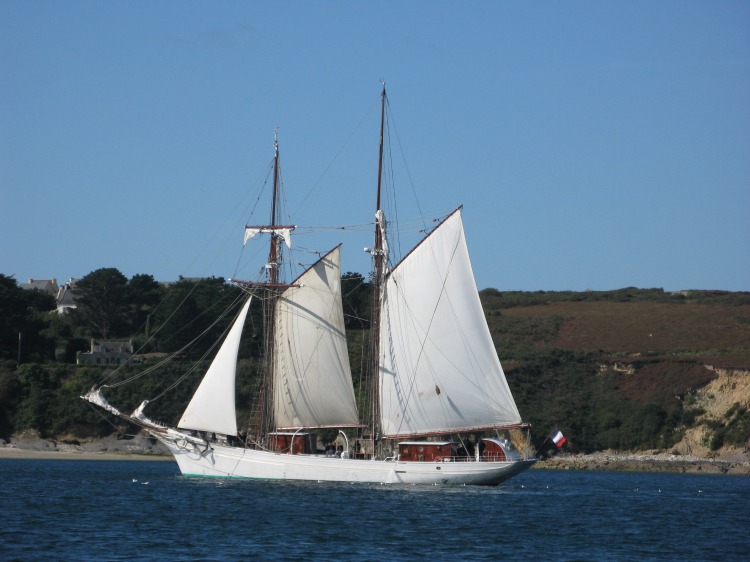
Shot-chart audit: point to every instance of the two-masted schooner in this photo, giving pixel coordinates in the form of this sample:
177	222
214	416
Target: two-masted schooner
441	402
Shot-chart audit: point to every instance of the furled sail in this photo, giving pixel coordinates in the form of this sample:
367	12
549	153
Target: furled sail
284	231
439	371
312	379
212	407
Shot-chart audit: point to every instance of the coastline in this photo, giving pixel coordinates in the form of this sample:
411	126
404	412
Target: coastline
731	463
29	445
75	455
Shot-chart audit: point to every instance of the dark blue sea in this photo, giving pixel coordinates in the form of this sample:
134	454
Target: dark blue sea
132	510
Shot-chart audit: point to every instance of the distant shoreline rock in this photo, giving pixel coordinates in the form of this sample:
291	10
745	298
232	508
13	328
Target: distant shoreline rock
140	444
730	463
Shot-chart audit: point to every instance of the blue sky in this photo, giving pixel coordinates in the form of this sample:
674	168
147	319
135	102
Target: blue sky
594	145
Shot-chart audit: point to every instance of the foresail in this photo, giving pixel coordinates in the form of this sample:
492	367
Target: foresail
212	407
439	371
312	378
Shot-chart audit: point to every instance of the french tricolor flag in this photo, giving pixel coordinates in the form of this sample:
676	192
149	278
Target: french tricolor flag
557	438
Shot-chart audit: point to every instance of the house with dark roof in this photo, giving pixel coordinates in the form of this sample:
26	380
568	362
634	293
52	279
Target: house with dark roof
64	295
44	285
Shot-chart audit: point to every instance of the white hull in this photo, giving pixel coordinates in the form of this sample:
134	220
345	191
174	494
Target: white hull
221	461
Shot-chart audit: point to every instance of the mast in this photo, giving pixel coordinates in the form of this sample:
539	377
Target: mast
378	285
272	287
272	272
273	269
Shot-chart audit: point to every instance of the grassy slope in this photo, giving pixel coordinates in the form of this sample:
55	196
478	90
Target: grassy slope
616	370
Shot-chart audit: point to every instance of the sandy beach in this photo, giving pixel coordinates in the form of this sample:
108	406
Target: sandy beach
16	453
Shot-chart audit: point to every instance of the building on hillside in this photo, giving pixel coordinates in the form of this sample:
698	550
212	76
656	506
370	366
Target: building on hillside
44	285
106	353
66	300
64	295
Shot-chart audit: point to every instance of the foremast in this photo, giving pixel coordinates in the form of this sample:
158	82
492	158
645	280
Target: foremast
307	377
272	271
272	287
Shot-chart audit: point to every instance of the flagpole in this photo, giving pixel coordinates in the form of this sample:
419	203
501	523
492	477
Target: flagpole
541	446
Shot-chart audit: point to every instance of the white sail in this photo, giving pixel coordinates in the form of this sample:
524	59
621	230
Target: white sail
212	407
312	378
439	371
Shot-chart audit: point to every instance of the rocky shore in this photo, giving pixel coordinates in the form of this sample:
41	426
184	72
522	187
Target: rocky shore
728	463
30	445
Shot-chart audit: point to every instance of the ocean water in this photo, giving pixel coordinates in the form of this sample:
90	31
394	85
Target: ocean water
132	510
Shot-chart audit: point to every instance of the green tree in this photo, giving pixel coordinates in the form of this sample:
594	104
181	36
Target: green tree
26	313
143	295
37	405
187	316
10	397
101	299
357	298
63	331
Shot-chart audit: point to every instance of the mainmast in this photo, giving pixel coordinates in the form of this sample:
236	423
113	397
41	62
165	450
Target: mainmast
378	284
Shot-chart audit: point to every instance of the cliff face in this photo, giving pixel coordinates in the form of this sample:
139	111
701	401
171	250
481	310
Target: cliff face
731	387
721	400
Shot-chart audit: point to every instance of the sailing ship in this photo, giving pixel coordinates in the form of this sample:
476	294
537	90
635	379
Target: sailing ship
442	409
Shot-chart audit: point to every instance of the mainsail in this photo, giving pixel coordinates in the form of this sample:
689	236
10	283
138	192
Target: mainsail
312	378
212	407
439	372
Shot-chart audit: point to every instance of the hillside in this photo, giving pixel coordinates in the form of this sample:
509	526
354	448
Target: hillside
633	369
629	369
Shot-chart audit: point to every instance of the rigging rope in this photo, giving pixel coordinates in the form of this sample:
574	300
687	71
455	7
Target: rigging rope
317	183
148	340
179	352
208	351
